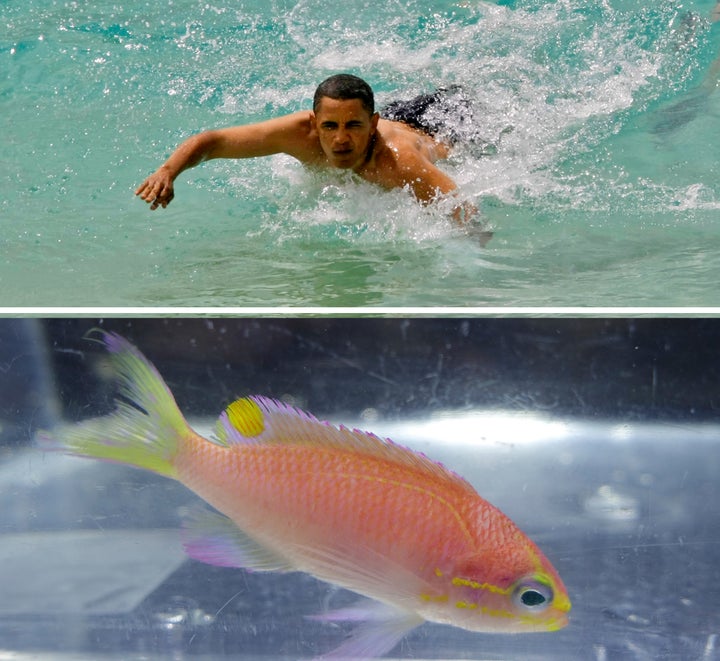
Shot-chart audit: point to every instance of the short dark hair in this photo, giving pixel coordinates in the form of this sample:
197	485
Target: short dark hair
344	87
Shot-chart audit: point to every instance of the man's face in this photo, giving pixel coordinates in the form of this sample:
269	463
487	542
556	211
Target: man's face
345	129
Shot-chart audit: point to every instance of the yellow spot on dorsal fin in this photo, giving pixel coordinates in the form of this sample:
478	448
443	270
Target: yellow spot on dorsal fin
438	573
245	415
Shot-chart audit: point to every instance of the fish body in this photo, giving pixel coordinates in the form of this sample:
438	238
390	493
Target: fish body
296	494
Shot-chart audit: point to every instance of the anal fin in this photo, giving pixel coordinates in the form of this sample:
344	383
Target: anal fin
381	628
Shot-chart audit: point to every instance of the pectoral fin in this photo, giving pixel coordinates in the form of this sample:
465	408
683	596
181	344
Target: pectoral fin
214	539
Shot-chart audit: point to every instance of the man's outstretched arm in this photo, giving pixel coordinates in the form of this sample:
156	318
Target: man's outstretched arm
283	134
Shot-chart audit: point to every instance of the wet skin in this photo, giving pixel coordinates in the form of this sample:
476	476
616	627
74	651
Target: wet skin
345	131
342	134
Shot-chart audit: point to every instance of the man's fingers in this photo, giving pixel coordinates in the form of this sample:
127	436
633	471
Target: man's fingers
154	200
164	194
146	189
155	192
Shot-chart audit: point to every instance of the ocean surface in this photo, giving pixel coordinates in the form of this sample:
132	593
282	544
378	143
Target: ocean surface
602	191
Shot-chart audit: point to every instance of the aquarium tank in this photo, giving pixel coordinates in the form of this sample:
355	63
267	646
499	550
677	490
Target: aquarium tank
599	438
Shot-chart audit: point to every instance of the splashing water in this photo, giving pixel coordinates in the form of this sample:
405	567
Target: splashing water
601	186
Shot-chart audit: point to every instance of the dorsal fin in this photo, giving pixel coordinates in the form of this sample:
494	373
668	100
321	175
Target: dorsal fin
263	420
240	422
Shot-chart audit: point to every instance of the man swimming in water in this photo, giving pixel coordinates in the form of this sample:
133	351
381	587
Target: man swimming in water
343	131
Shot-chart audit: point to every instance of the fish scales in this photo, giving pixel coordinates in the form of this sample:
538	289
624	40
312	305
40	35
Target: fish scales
300	492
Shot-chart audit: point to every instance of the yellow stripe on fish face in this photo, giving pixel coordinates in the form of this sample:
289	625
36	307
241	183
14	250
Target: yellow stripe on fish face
245	415
560	602
469	605
440	599
465	604
463	582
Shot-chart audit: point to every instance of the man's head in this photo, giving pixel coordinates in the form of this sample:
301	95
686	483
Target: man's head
344	87
345	120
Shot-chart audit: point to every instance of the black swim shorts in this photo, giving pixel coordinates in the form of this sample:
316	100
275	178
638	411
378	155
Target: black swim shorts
446	113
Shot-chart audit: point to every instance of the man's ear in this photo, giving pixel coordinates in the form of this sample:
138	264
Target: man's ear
374	120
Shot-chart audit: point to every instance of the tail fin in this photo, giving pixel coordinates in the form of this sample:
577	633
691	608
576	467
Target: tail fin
146	426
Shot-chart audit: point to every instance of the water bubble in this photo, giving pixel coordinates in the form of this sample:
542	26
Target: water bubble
182	612
609	504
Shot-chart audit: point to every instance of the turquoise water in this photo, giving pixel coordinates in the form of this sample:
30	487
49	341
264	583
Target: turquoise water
605	192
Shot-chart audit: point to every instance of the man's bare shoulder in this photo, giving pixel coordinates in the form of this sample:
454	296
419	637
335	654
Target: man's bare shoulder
408	142
299	122
298	132
406	157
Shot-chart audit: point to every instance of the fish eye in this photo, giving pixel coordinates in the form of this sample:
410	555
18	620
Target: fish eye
533	595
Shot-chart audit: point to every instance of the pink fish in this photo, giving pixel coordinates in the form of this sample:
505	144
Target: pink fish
297	494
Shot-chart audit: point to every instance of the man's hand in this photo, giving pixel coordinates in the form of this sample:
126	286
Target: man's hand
157	190
467	216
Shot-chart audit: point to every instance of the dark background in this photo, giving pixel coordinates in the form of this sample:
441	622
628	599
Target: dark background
634	369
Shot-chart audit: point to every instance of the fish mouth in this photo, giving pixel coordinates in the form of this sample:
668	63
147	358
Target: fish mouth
560	622
562	604
561	618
